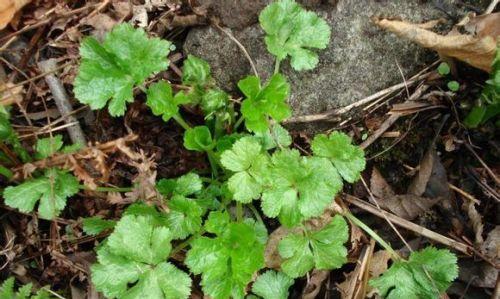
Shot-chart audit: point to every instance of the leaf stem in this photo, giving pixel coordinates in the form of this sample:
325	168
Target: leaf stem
238	122
213	162
277	66
256	213
372	234
178	118
107	189
6	172
186	242
239	211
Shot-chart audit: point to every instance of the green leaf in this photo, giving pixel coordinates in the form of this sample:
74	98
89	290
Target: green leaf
475	116
248	161
226	142
217	222
349	159
109	71
323	249
46	147
198	139
228	262
453	85
195	71
262	103
184	217
24	292
95	225
272	285
184	185
490	98
298	188
425	275
131	264
276	137
213	100
161	101
51	190
73	148
7	289
293	31
443	69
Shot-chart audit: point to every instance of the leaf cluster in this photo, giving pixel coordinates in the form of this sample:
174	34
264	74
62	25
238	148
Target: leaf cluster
7	291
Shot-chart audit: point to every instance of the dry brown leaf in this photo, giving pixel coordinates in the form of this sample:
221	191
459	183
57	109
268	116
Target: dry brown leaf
491	247
407	206
378	263
431	180
477	50
476	220
379	186
271	255
102	24
314	283
145	181
8	9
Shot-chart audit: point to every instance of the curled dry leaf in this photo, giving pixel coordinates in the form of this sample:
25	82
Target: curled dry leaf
476	221
356	282
145	181
431	180
477	49
407	206
491	246
8	9
271	255
314	283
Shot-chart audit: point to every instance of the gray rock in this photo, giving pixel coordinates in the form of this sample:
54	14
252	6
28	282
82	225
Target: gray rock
236	14
360	60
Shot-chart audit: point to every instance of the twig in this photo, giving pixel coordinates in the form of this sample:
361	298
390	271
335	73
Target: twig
464	248
464	194
62	101
491	7
35	78
488	170
383	127
386	219
242	48
329	114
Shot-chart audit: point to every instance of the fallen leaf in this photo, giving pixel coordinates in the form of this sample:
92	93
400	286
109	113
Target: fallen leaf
477	50
8	9
407	206
102	24
431	180
314	283
491	246
356	282
145	181
476	220
477	273
379	186
379	263
271	255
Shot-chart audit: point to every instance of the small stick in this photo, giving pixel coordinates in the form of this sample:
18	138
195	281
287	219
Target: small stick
488	169
464	248
242	48
328	114
384	127
491	7
62	101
